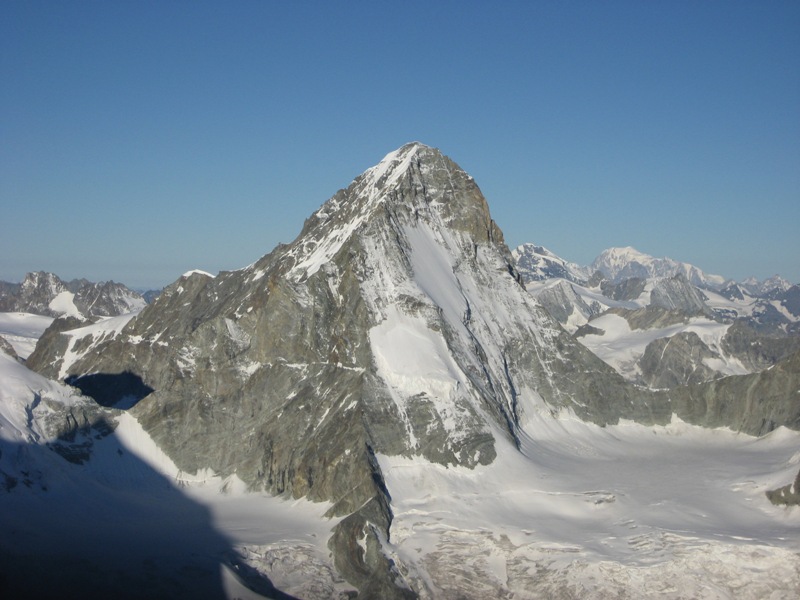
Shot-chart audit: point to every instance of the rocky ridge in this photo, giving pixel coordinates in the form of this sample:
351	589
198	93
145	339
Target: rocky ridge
537	263
43	293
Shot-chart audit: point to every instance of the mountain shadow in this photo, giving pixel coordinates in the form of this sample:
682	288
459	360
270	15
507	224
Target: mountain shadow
114	390
112	527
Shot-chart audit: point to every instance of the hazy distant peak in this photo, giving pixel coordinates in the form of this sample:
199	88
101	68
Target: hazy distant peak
626	262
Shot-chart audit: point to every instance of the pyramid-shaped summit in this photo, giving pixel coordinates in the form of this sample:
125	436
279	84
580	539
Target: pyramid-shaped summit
413	179
394	324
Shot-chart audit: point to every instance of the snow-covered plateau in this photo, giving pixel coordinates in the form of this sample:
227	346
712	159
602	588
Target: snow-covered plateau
22	330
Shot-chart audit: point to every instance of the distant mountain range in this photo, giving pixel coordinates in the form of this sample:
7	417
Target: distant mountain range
537	263
43	293
663	323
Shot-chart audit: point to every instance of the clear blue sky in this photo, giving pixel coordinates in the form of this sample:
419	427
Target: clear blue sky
142	139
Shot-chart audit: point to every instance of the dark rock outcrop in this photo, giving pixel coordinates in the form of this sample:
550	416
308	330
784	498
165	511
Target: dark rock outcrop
627	289
788	495
675	361
754	404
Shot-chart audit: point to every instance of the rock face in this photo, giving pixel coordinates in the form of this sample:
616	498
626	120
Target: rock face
788	495
627	289
758	347
754	404
678	360
563	304
107	299
790	300
46	294
7	348
676	293
34	294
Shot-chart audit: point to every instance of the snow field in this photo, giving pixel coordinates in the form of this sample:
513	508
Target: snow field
668	512
622	347
22	330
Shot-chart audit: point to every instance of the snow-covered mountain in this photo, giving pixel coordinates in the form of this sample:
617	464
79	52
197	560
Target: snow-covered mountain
394	324
390	365
46	294
618	264
537	263
775	285
662	323
578	500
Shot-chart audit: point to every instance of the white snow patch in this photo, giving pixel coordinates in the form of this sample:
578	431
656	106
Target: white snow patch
622	347
248	369
432	263
64	304
197	272
414	361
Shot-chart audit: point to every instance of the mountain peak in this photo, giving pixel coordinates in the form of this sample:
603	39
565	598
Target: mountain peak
626	262
537	263
415	182
395	164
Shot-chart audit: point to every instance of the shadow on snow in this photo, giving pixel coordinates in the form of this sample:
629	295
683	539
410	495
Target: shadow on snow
109	527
